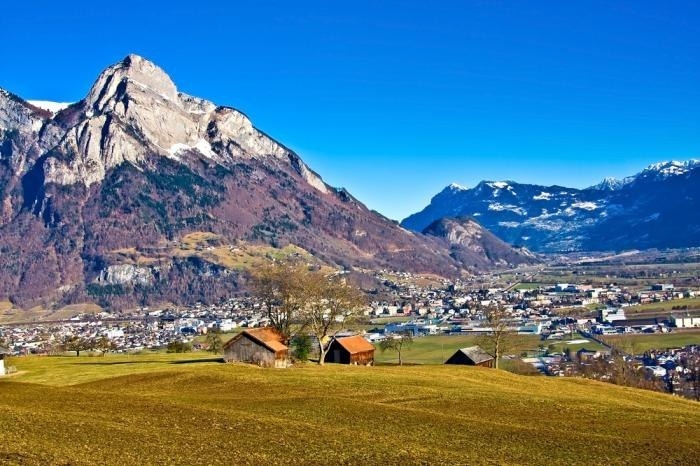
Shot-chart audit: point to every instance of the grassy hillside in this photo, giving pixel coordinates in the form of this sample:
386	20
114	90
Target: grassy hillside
185	409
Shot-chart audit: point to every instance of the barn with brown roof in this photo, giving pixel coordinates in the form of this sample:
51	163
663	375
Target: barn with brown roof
350	350
471	356
261	346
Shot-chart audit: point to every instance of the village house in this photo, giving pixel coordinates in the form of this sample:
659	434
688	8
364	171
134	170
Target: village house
3	353
585	355
350	350
471	356
261	346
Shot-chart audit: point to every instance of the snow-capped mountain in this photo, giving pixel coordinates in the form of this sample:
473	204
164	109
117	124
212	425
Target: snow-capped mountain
612	184
658	207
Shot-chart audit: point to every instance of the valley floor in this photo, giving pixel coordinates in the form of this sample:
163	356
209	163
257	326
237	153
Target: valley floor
191	409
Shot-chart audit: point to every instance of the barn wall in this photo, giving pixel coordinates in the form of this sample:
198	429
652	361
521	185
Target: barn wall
463	359
246	350
459	358
363	358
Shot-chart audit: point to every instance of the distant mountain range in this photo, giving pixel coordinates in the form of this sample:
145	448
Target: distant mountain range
656	208
106	199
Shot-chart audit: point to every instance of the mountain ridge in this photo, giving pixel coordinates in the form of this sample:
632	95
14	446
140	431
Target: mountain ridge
654	208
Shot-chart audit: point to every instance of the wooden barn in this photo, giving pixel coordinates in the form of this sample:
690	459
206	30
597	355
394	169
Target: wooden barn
350	350
471	356
261	346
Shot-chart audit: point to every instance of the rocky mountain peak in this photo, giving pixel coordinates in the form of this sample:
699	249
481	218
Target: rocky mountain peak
469	241
610	184
135	71
134	111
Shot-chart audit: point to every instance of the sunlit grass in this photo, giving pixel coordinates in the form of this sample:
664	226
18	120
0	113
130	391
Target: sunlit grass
182	409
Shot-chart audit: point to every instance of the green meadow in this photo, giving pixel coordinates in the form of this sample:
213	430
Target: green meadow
193	409
435	349
640	342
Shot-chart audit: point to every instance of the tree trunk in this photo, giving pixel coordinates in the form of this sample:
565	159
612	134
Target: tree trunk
322	353
497	354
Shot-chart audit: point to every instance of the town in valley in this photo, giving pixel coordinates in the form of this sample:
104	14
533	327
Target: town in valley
571	316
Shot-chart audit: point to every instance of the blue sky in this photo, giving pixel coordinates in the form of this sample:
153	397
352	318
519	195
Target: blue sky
396	99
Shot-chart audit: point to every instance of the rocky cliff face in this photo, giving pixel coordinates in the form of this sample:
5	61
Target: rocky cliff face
137	165
656	208
470	242
133	111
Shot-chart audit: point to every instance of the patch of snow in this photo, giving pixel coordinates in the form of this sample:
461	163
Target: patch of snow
585	205
543	196
498	186
53	107
498	207
457	187
179	147
204	148
36	125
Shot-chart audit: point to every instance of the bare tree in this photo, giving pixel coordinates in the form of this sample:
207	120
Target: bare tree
397	343
103	344
331	305
76	343
500	336
282	288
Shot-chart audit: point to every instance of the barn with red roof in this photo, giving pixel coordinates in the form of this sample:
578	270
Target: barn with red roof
350	350
260	346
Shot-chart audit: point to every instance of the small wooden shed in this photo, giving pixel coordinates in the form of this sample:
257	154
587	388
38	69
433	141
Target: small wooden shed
350	350
3	353
261	346
471	356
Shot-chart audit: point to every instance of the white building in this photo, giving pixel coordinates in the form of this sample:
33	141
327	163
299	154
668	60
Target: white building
610	315
686	321
3	352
